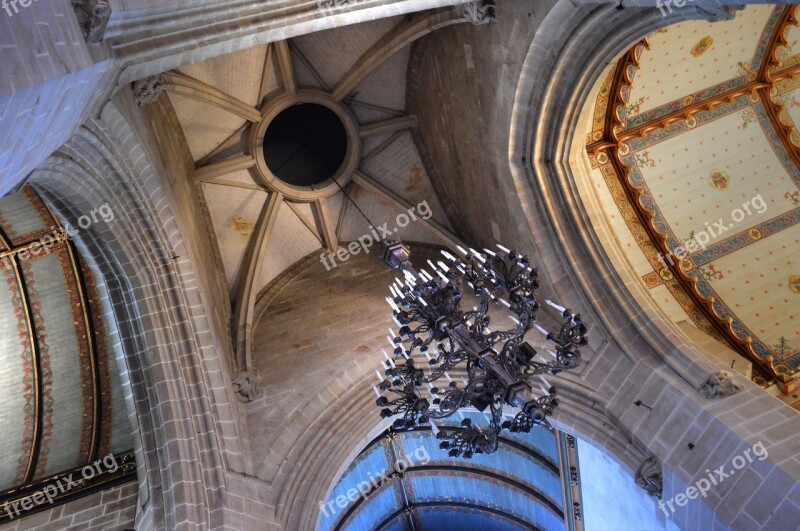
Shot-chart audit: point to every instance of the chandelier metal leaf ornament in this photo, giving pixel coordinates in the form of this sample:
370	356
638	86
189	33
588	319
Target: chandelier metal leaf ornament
436	336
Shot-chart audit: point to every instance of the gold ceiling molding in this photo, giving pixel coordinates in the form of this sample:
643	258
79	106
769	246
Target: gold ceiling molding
606	151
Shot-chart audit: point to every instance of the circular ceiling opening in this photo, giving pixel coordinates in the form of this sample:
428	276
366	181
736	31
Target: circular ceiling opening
305	144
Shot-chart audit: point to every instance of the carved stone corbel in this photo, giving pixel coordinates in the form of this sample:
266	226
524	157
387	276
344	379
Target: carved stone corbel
147	90
246	386
649	477
480	12
92	17
719	385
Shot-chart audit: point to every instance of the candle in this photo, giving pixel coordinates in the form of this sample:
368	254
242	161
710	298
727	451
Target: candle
380	376
540	329
392	304
490	253
461	250
434	429
556	306
385	355
505	250
443	265
377	393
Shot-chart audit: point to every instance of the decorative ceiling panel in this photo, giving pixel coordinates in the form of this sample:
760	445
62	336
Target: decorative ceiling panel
697	176
710	172
17	412
57	407
64	352
694	55
758	286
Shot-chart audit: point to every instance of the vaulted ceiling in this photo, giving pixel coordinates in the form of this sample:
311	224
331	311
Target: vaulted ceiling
262	224
694	154
519	487
61	400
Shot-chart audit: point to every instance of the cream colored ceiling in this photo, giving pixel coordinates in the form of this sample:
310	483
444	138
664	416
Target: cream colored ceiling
750	269
678	63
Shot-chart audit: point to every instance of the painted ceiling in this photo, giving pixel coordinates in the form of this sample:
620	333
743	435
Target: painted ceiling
518	487
61	402
695	157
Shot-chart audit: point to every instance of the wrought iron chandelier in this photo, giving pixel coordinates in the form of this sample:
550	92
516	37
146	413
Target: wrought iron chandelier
435	331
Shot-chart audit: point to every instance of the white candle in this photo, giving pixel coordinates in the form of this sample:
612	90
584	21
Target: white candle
448	377
556	306
443	265
392	304
377	393
380	376
385	355
434	429
540	329
461	250
391	332
505	250
504	303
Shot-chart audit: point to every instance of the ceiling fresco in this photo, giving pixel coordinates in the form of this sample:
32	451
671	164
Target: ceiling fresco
694	153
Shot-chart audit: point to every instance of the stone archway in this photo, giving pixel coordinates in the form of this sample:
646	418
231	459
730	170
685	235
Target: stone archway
177	391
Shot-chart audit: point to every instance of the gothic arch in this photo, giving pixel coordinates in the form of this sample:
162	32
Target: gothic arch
177	401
